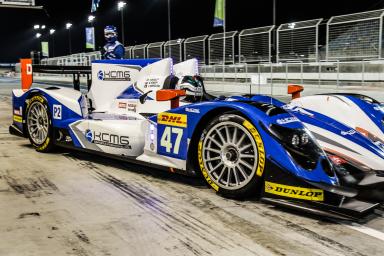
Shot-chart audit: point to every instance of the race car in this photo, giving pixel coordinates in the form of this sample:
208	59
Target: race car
156	113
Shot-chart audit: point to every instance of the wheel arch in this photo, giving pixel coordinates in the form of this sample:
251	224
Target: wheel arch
191	155
31	94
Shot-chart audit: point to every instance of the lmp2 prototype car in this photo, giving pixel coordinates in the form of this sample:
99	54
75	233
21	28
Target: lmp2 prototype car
138	111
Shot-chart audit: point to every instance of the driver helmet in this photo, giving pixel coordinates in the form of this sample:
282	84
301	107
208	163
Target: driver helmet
110	34
192	85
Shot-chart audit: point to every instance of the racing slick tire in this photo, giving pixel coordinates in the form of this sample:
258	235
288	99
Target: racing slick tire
39	124
231	156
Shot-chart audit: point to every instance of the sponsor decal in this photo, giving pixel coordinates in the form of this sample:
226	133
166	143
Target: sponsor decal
350	132
122	105
132	107
18	112
114	75
287	120
379	144
29	69
170	119
57	112
17	119
300	110
89	135
35	98
294	192
107	139
193	110
45	145
260	147
203	170
379	108
152	83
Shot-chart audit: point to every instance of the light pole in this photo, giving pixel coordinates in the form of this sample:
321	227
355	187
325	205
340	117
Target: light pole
169	28
52	33
36	59
120	7
274	43
68	27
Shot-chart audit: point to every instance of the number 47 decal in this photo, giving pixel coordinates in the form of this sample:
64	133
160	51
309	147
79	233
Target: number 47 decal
166	139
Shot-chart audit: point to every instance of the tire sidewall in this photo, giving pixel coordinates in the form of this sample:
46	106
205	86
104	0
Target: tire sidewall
48	142
253	186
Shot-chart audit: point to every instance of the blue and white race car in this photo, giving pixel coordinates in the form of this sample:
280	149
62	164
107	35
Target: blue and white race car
157	113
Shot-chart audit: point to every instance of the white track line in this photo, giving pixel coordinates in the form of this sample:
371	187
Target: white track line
365	230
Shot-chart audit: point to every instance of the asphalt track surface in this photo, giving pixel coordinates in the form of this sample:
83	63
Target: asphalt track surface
70	203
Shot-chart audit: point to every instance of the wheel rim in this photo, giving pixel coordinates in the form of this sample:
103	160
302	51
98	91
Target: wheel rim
38	123
230	155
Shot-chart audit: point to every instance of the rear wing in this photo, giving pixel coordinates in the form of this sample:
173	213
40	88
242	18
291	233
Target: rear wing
28	70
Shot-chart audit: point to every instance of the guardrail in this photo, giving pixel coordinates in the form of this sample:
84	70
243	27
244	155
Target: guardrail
337	73
75	71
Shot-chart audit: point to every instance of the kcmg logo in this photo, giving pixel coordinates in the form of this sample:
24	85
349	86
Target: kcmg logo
114	75
89	135
100	75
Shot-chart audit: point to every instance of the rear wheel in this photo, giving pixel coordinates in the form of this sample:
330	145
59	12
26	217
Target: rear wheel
231	156
39	125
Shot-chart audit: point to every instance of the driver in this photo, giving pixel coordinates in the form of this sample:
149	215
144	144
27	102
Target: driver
194	88
113	50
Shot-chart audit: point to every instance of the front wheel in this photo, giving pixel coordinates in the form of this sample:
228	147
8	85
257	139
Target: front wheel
39	126
231	156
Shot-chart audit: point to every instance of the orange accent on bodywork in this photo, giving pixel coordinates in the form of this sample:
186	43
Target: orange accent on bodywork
348	158
362	131
26	74
295	90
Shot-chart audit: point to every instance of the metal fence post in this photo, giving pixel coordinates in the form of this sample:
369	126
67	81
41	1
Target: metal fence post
338	74
271	79
381	36
258	69
286	73
319	74
301	73
362	72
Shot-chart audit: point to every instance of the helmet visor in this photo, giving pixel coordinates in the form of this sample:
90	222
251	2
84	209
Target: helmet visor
110	34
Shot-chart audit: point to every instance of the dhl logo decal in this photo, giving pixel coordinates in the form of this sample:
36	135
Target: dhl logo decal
177	120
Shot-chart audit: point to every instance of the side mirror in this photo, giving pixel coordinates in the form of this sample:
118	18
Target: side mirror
295	90
170	95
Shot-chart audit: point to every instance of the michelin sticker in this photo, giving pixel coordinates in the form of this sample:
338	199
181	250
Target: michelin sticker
300	110
350	132
193	110
287	120
379	108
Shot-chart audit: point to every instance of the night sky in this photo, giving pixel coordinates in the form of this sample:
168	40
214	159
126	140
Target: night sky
146	20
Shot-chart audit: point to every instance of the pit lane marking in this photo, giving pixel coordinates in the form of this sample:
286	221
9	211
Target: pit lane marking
365	230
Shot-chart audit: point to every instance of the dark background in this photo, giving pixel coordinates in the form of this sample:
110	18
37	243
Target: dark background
146	20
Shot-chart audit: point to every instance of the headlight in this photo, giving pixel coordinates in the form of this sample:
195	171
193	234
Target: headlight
300	144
